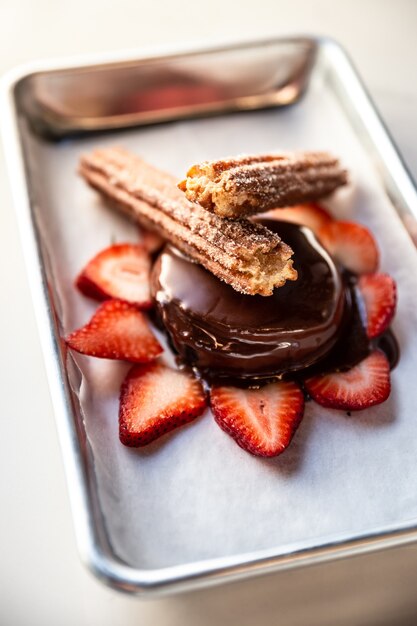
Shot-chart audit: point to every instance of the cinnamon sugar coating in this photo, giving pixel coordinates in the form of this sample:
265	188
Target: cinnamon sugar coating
240	186
245	255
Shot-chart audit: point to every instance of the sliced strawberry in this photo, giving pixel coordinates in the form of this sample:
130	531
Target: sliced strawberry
364	385
117	331
262	421
155	399
312	215
120	271
379	293
352	245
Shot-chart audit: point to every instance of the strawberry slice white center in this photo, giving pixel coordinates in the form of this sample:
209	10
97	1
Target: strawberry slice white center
162	393
154	400
379	293
117	331
120	271
361	387
352	245
263	420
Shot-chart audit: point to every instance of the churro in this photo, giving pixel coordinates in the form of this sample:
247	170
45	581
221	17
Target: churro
247	256
239	186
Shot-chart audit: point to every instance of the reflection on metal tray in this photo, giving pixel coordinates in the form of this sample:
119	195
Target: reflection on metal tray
166	88
52	103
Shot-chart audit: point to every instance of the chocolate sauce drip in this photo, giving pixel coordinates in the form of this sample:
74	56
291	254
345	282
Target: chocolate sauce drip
389	345
352	345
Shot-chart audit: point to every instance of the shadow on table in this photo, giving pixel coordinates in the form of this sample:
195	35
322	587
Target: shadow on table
375	589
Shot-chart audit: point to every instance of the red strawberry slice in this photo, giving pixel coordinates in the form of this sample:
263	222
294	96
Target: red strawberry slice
379	293
262	421
155	399
352	245
364	385
116	331
312	215
120	271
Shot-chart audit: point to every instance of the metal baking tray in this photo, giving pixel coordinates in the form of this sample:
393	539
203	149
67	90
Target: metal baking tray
57	102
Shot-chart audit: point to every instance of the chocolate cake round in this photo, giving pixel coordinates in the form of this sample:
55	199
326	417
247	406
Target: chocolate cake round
225	334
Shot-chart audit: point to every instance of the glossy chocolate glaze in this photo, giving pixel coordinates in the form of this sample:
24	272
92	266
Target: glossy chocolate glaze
225	334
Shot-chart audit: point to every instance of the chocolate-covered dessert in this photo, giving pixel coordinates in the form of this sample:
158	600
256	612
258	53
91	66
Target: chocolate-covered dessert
223	333
268	312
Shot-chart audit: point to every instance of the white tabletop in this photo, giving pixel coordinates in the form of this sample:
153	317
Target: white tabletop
42	580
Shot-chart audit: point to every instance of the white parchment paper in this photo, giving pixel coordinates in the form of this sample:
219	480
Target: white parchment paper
195	494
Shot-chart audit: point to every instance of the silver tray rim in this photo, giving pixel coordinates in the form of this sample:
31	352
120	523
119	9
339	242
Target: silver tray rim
189	576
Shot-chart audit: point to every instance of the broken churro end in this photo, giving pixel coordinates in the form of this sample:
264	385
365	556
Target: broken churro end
245	185
272	271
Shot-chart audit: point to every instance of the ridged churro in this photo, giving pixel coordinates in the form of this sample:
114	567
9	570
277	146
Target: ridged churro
245	255
239	186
